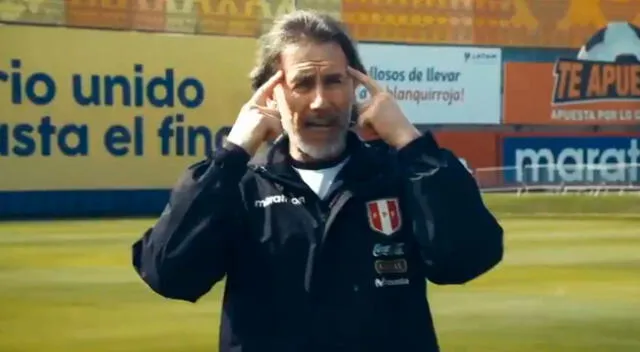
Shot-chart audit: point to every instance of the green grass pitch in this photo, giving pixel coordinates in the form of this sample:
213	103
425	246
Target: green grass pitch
566	285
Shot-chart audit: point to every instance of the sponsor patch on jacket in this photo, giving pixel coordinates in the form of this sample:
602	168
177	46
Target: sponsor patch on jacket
278	199
388	250
384	215
391	282
396	266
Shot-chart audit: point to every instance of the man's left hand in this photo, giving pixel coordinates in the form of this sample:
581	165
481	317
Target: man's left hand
382	115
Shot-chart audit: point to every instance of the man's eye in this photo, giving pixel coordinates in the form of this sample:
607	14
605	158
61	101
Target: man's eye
309	81
303	84
331	81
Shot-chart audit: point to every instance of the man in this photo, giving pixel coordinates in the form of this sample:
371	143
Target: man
326	243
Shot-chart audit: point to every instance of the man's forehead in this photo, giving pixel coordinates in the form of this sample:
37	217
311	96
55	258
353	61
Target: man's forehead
306	69
311	59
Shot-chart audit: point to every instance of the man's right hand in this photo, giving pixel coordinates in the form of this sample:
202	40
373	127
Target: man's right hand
256	122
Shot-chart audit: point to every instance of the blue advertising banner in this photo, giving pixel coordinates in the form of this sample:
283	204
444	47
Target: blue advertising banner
581	159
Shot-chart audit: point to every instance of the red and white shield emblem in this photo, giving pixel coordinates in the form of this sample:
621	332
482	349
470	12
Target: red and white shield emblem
384	215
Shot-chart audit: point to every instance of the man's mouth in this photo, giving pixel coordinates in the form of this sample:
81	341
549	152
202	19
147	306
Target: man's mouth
318	124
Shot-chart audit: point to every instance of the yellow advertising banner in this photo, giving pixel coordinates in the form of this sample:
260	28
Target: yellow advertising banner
244	18
239	17
92	109
33	11
528	23
331	7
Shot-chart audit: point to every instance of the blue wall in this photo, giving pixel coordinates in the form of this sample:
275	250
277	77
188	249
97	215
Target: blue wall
95	203
536	55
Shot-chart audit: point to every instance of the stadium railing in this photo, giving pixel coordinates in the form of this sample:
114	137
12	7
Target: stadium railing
560	178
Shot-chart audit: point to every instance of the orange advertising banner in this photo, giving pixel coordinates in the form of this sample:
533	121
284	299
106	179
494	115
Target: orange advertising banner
528	23
522	23
112	14
149	15
248	18
571	92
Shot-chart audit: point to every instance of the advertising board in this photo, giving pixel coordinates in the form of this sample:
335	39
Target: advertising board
438	85
229	17
90	109
580	158
571	92
50	12
522	23
476	149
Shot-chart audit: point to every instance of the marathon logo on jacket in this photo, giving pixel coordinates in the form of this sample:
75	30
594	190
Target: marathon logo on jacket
391	282
388	250
278	199
396	266
384	215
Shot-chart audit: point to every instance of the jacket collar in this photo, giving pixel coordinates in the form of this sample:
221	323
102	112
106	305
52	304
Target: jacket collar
365	162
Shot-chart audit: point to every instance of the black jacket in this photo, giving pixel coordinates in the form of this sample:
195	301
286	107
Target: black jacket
305	275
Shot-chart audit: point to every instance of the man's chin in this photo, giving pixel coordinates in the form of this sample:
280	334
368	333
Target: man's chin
324	150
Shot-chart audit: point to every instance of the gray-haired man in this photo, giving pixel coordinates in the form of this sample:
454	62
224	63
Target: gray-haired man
326	243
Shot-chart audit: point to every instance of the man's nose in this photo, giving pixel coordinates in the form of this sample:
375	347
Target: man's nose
319	99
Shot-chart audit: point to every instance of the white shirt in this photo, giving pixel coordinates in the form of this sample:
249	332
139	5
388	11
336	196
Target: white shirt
320	180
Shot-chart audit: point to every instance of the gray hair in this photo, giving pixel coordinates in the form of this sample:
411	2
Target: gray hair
295	27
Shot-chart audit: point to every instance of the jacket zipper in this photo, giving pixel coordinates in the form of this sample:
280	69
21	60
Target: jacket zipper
334	210
324	222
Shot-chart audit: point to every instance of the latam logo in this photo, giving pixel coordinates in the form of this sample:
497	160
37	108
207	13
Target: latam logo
571	159
486	56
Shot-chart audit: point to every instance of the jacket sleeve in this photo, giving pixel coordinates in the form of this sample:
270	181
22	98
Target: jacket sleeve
459	238
188	249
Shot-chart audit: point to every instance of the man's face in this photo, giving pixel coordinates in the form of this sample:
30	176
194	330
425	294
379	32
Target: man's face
319	95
